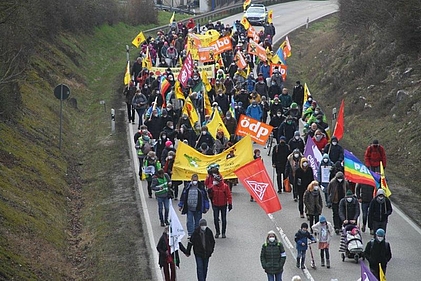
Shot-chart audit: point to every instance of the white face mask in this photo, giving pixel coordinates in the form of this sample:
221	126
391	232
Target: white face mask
171	127
228	117
279	114
203	227
380	239
171	146
204	133
215	182
334	142
296	155
305	164
349	199
325	160
271	239
297	137
169	157
316	187
340	180
194	182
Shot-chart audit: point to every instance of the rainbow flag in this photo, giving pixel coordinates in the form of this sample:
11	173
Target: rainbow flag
356	171
232	107
163	87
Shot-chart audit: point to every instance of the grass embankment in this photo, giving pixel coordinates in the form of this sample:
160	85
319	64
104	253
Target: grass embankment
71	214
340	66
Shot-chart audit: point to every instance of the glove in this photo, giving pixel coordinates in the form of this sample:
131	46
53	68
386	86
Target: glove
229	207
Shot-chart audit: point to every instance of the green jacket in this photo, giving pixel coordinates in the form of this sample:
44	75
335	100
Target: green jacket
272	257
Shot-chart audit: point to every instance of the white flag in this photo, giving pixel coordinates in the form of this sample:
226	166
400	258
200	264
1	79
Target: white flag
176	229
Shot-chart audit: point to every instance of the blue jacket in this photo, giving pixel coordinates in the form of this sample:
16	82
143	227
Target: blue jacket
203	200
265	70
254	112
302	237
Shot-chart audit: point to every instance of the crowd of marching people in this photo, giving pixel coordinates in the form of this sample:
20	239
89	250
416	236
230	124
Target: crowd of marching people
259	93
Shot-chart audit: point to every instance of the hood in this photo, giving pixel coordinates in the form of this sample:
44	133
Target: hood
302	160
272	233
325	156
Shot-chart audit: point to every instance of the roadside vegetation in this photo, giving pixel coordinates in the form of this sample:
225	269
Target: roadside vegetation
71	214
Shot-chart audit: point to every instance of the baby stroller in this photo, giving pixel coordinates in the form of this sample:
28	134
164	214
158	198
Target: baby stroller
351	243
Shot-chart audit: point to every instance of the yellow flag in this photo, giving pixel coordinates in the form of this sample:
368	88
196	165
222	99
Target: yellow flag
245	23
139	39
189	161
127	77
191	112
216	124
205	81
270	16
147	60
172	18
381	273
208	106
178	92
383	182
306	93
246	3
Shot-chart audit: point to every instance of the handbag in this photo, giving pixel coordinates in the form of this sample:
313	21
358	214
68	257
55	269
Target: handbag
287	185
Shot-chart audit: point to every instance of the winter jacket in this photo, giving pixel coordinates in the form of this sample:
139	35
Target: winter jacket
197	245
285	100
364	192
373	155
336	190
294	143
164	252
349	211
272	257
287	130
303	177
280	154
313	202
377	252
317	228
219	194
261	88
336	152
254	112
302	237
379	210
161	186
202	202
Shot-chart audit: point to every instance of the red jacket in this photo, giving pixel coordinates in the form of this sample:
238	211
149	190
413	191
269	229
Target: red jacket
320	144
373	155
219	194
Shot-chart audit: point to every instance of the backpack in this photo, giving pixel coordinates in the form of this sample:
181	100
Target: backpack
146	147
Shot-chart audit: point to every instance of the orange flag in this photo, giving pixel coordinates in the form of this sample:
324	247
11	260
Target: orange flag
256	180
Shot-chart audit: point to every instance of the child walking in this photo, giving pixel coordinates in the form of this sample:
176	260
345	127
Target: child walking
323	230
301	240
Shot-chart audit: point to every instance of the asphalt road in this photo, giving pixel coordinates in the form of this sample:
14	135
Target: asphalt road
238	256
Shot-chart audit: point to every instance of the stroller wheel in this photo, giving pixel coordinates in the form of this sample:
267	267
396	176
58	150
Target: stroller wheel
343	257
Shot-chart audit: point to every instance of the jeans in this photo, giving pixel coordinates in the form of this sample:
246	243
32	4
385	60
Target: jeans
140	112
201	268
163	202
275	277
193	218
223	210
364	208
301	255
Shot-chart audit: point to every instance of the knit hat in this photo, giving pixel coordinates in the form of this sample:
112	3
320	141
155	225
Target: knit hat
380	191
349	192
380	232
168	143
304	225
203	222
297	133
322	219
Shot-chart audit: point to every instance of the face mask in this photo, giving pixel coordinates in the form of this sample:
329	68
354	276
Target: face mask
318	137
164	137
305	164
289	122
380	239
215	182
297	137
276	102
194	182
171	127
155	115
185	118
316	187
296	155
271	239
349	199
310	99
257	154
170	157
325	160
334	143
220	95
171	146
254	105
279	114
203	227
228	117
203	132
316	112
340	180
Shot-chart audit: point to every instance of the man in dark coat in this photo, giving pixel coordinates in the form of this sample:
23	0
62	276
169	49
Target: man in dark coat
279	160
377	251
334	150
303	177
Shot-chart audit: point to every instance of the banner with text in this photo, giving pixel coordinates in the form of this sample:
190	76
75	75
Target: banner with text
257	130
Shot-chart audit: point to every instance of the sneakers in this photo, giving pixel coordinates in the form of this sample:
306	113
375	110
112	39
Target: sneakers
323	262
279	191
337	231
363	228
295	199
327	263
217	235
302	216
303	266
162	224
224	236
298	263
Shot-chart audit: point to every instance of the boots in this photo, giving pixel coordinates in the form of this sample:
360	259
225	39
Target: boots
323	262
302	263
328	263
298	262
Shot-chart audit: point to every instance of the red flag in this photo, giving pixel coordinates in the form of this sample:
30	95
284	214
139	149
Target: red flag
339	127
256	180
186	71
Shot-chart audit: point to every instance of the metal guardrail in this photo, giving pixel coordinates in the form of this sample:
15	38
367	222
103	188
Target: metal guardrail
218	13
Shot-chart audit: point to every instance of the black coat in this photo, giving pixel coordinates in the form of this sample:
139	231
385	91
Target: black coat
279	156
303	178
336	152
164	252
196	243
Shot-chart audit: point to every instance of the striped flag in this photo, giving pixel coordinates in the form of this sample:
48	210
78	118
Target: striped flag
164	85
